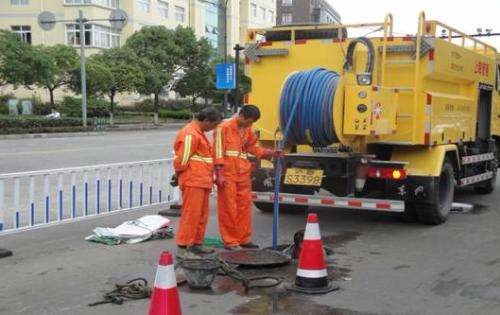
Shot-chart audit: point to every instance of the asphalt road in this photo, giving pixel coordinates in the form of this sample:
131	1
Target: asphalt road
382	266
112	147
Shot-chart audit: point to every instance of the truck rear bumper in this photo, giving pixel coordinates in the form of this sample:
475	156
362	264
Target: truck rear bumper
333	202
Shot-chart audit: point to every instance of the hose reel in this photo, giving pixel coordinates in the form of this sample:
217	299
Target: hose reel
307	100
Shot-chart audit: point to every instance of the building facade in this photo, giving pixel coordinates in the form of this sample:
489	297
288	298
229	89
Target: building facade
305	12
204	16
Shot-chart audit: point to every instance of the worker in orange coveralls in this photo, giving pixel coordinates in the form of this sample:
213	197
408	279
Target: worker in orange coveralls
234	140
194	167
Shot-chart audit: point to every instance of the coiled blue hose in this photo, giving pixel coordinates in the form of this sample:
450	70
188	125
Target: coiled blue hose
306	107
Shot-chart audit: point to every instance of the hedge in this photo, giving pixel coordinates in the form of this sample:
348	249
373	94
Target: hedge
175	114
30	124
72	107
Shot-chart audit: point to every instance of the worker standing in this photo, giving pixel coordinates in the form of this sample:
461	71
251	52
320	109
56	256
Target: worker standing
234	140
193	165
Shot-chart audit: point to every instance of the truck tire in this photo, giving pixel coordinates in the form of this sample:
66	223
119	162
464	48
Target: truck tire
268	207
437	213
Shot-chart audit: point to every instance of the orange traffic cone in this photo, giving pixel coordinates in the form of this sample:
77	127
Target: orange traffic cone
311	273
165	298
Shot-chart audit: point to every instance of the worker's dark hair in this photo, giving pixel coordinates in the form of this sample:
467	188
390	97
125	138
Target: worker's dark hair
250	111
211	114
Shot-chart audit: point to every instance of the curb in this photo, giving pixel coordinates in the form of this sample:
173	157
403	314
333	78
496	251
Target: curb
89	133
51	135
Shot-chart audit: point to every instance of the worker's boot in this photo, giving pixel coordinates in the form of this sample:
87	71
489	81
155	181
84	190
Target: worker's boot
199	249
184	252
250	245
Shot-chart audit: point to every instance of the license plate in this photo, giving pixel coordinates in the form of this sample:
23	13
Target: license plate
303	176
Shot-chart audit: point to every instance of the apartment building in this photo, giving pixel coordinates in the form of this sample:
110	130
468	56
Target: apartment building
305	12
204	16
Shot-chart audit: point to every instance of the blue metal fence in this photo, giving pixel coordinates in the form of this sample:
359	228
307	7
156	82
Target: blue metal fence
30	199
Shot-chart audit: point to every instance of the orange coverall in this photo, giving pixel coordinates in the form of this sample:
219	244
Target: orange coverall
234	199
194	164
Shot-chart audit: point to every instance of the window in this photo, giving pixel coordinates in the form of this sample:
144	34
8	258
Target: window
253	9
105	3
23	31
144	5
180	13
287	2
286	18
19	2
270	15
95	36
262	13
163	9
498	78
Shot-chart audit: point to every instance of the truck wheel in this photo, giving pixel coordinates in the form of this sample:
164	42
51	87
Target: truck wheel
268	207
437	213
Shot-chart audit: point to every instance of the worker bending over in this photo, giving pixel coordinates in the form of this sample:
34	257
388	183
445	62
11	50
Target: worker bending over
193	165
233	141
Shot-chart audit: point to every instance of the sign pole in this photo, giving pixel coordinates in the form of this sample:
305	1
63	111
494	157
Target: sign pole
83	74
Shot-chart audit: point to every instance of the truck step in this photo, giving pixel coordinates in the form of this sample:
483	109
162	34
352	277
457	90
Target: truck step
476	179
332	202
470	159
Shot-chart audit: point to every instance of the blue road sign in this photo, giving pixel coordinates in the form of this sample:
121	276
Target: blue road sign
226	76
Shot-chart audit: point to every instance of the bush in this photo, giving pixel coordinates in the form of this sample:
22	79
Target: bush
72	107
147	105
175	114
37	122
4	109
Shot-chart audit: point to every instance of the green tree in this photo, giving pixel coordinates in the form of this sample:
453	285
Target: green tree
17	59
159	54
197	80
59	63
110	72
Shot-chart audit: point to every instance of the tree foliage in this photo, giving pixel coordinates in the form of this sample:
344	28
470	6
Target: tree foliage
167	56
57	63
198	77
110	72
17	59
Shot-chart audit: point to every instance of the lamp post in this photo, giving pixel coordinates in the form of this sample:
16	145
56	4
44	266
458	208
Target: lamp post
117	18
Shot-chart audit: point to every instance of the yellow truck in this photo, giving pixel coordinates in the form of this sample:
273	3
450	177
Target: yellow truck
387	123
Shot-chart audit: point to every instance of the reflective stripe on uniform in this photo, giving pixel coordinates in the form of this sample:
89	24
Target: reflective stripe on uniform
238	154
218	144
202	159
187	149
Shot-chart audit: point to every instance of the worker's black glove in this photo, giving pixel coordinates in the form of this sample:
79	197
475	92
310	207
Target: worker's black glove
174	181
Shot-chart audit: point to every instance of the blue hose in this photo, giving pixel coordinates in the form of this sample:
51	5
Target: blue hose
306	107
306	117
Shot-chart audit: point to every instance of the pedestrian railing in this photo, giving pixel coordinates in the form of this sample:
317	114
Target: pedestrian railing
30	199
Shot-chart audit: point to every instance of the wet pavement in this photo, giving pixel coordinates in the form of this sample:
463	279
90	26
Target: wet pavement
381	265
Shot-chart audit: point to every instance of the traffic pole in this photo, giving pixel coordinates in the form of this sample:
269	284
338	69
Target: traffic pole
83	77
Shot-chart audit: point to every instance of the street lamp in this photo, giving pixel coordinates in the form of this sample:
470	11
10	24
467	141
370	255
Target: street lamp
47	20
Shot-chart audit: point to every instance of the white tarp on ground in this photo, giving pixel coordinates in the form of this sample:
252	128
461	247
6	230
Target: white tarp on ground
131	232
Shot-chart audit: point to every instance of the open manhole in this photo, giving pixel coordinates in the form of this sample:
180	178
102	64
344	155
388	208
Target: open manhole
255	258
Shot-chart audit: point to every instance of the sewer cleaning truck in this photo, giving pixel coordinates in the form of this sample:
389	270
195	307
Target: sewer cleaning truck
388	123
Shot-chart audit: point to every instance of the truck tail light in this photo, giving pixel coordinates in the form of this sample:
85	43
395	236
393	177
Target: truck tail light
387	173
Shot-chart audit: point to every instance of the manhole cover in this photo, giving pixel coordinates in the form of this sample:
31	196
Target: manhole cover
255	257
